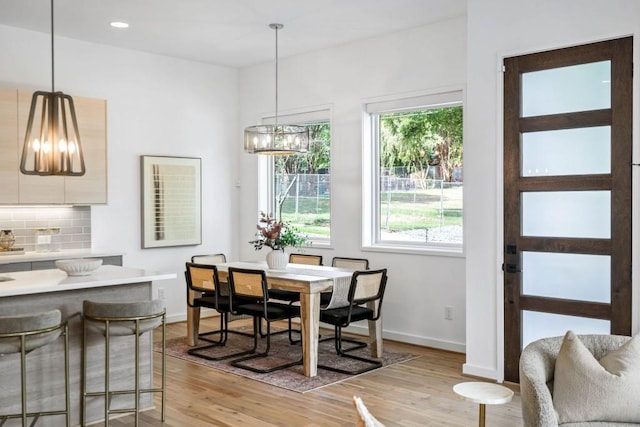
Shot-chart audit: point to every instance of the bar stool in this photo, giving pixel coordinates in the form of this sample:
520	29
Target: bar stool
24	334
122	319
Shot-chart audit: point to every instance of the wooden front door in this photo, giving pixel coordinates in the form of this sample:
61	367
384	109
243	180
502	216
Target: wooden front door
567	194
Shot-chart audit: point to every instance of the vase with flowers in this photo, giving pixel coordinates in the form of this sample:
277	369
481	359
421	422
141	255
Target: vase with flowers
277	235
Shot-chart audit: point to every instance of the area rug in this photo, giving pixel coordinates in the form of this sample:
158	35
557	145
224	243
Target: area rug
280	353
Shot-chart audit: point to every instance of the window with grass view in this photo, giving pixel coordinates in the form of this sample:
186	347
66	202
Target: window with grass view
417	198
302	185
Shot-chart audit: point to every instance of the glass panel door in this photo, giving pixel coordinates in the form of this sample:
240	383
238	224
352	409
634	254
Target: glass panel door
567	194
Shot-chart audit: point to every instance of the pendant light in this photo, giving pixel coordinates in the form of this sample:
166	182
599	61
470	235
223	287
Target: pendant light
276	139
52	142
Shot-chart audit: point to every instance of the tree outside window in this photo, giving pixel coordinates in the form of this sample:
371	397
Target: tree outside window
302	185
419	198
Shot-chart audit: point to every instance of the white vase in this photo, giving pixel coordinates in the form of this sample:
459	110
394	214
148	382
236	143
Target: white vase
277	259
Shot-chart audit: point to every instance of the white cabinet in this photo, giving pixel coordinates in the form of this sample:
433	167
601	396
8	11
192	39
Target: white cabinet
90	188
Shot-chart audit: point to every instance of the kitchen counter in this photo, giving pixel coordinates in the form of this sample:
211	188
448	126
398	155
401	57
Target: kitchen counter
41	281
41	290
48	256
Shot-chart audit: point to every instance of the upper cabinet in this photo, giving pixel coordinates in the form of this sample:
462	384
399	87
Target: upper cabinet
90	188
9	157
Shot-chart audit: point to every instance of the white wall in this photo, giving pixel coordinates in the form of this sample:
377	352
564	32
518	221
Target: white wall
156	106
344	77
499	28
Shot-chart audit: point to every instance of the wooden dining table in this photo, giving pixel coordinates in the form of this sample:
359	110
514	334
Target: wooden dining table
309	281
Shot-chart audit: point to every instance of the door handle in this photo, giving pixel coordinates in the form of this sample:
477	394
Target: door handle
510	268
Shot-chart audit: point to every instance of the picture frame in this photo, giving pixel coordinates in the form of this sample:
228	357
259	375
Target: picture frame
171	201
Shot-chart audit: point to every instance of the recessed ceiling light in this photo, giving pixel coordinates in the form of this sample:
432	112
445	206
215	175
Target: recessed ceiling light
119	24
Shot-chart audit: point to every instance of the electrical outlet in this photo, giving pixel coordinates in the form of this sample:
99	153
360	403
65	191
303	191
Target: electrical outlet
448	312
161	293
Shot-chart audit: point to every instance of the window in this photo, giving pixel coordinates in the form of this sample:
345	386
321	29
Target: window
301	184
413	172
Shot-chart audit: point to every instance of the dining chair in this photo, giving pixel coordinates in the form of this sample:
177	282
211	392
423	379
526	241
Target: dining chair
252	284
350	263
203	279
209	259
218	258
347	263
365	303
293	297
305	259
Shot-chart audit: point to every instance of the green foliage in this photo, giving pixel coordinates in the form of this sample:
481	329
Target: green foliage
311	162
423	138
277	234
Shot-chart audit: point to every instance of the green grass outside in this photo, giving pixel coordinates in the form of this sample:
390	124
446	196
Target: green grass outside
407	210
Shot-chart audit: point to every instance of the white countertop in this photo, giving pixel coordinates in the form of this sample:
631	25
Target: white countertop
64	254
42	281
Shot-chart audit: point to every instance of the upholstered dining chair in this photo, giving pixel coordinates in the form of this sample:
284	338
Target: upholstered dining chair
252	284
203	279
365	291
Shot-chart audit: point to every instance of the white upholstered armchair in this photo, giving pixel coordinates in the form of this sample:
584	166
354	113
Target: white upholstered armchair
537	366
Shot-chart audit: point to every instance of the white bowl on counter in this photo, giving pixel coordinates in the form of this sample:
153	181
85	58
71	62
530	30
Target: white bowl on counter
79	266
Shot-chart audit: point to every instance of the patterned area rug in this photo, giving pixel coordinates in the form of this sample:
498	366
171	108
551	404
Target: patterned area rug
282	352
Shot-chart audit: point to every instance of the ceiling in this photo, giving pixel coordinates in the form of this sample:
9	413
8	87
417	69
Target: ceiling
226	32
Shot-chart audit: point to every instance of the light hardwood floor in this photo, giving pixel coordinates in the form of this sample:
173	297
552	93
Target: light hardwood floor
414	393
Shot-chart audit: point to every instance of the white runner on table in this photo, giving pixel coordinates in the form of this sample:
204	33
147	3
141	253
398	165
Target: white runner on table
341	281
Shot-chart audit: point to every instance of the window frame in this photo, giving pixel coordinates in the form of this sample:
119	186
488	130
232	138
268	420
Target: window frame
266	164
371	111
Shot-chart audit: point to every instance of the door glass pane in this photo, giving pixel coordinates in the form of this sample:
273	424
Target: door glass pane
582	214
536	325
567	89
571	276
567	152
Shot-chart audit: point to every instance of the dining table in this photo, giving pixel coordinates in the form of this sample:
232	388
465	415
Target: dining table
309	281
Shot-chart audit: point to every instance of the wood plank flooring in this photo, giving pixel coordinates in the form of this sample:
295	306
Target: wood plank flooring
412	394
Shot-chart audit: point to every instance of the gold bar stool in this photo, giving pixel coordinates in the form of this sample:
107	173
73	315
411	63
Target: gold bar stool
122	319
24	334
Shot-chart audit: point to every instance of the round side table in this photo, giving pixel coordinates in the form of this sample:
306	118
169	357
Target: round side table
483	394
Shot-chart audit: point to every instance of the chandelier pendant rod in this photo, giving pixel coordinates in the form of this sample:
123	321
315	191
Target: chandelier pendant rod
276	27
53	69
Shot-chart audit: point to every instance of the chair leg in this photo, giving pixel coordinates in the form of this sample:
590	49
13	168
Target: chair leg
371	364
289	330
239	362
224	331
337	338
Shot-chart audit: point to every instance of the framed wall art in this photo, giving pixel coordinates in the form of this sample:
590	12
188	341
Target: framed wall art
171	201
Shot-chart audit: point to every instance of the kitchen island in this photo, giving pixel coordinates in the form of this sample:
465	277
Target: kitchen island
42	290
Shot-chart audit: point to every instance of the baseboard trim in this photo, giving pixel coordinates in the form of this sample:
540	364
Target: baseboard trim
412	339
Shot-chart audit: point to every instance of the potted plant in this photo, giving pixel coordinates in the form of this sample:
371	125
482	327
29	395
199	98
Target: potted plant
277	235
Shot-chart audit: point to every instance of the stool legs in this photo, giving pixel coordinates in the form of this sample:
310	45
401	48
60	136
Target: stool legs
108	394
60	329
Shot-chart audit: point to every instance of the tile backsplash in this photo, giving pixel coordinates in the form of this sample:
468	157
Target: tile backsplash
74	223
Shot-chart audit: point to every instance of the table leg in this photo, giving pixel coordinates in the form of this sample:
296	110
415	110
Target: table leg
375	333
310	325
193	325
481	415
